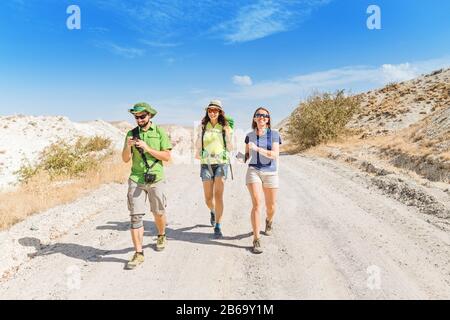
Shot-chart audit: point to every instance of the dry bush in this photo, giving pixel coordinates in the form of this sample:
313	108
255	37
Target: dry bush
42	191
62	160
321	118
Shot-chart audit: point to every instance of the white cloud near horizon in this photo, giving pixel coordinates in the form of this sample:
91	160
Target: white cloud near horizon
242	80
353	78
282	96
400	72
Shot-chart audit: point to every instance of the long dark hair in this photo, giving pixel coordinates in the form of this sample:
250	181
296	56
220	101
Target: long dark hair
253	119
222	120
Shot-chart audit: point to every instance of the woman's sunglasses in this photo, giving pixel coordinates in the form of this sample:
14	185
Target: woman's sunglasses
213	110
262	115
141	116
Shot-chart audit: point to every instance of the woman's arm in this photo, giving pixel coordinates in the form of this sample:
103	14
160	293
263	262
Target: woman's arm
198	143
271	154
160	155
247	153
228	139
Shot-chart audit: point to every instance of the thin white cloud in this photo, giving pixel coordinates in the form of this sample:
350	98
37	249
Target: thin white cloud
157	44
242	80
232	21
267	17
126	52
98	30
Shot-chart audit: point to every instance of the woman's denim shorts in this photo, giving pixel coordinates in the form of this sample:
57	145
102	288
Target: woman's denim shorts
218	170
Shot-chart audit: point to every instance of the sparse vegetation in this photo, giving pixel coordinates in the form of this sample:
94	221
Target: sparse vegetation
321	118
42	192
62	160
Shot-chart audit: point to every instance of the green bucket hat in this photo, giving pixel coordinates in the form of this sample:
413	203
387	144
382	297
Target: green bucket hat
143	107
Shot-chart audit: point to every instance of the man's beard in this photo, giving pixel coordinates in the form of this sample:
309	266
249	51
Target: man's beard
143	125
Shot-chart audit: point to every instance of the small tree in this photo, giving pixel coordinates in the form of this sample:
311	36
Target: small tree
320	118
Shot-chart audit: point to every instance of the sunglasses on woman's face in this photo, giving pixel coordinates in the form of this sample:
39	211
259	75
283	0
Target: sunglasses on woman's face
262	115
143	116
213	111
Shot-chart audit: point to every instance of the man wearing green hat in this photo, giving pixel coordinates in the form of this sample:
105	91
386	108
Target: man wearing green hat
147	146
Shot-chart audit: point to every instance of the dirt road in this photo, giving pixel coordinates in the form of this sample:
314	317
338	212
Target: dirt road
335	236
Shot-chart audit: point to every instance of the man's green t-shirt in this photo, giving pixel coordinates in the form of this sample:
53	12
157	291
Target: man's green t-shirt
156	138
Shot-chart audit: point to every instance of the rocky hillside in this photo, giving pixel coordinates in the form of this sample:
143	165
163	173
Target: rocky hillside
399	105
403	125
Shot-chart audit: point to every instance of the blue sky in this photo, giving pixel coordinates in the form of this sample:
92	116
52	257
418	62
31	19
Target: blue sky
178	55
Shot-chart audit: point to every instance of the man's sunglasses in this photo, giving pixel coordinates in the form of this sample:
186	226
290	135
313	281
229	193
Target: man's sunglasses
262	115
143	116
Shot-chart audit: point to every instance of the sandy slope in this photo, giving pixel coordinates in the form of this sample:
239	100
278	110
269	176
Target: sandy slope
22	138
332	232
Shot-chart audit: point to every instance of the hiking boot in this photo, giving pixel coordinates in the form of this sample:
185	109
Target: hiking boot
269	230
218	233
137	259
213	219
161	242
257	246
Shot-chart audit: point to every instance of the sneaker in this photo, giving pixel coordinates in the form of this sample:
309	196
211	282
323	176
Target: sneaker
161	242
137	259
257	246
213	219
269	230
218	233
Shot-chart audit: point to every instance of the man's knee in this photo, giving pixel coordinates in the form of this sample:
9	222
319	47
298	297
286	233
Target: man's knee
137	221
159	214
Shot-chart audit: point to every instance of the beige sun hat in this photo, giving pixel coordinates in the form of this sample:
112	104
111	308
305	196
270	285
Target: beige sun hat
215	103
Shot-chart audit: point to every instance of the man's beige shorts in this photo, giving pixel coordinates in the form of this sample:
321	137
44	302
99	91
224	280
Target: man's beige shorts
141	197
268	179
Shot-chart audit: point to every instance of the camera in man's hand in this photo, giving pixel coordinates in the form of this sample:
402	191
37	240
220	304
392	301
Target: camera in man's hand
135	140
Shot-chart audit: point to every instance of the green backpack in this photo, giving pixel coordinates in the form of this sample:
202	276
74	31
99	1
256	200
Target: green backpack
230	121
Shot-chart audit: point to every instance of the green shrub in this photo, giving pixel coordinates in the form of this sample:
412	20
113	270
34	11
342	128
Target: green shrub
93	144
322	117
63	160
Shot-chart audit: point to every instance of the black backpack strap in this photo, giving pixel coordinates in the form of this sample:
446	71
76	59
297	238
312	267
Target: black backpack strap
203	135
135	133
269	139
269	147
224	139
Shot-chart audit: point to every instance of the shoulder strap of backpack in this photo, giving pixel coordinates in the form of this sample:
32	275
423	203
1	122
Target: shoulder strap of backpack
203	135
224	139
269	139
135	132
